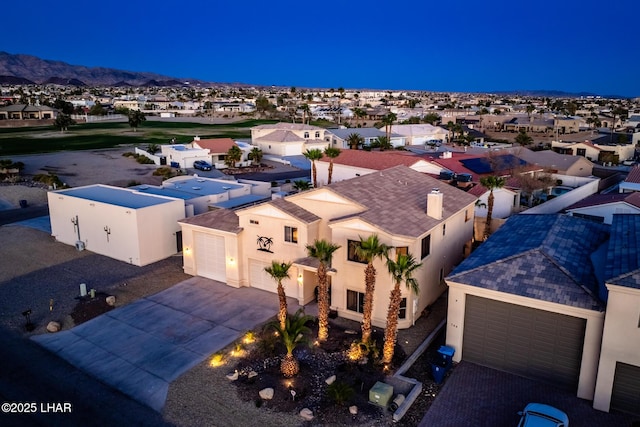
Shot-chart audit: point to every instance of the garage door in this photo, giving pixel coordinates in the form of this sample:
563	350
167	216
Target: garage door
210	258
626	389
532	343
259	278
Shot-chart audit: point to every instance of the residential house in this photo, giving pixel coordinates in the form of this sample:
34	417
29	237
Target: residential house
631	182
602	207
120	223
353	163
218	149
288	139
398	204
569	124
421	134
27	112
339	137
183	156
554	162
585	149
506	201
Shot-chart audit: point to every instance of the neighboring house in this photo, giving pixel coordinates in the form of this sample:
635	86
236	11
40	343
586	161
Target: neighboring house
353	163
531	301
27	112
120	223
183	156
553	162
131	104
397	204
602	207
569	124
422	134
506	201
218	149
326	112
236	107
338	137
622	145
585	149
288	139
631	182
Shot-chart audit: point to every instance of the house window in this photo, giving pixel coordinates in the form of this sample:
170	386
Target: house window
254	222
467	217
582	152
355	301
444	229
317	134
426	246
401	250
515	200
291	234
441	275
402	314
351	253
306	135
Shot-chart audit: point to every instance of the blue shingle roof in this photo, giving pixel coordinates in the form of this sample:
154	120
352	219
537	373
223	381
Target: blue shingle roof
623	257
545	257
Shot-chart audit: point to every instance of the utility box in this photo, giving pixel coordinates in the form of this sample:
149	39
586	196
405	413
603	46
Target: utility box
380	394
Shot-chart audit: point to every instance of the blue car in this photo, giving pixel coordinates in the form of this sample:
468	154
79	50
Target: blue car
541	415
202	165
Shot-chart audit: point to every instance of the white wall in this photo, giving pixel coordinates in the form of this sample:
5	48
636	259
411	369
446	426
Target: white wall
557	204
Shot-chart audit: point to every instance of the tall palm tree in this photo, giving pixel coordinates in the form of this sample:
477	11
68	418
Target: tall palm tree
279	272
234	155
306	113
490	183
354	140
388	122
313	155
323	250
401	270
368	250
450	127
331	153
256	155
292	334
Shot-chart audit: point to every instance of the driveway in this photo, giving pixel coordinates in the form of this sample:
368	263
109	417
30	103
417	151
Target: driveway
141	347
476	396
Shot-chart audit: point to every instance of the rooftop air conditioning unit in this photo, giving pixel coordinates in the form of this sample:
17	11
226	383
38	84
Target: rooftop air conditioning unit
80	246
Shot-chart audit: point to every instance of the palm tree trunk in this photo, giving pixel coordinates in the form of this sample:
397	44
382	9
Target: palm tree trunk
282	313
313	172
391	331
330	171
370	283
323	303
487	225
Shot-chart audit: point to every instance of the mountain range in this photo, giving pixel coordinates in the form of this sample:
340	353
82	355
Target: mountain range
28	69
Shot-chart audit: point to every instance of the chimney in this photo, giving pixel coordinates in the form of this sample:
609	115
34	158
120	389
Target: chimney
434	203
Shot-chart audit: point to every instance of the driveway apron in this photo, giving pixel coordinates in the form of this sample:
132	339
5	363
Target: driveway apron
141	347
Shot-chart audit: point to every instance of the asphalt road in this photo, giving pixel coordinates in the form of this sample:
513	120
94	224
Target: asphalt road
10	216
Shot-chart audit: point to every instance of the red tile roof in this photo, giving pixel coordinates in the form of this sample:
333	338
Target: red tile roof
377	160
216	145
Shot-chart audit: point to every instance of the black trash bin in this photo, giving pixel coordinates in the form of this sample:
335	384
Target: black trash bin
23	203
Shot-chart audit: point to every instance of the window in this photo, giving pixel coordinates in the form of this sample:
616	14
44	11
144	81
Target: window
317	134
351	253
444	229
254	222
426	246
401	250
402	314
441	275
582	152
467	217
306	135
355	301
291	234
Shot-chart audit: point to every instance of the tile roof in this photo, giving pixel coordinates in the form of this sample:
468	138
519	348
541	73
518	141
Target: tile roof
544	257
623	256
547	158
219	219
280	136
295	210
634	175
216	145
288	126
604	199
377	160
395	200
364	132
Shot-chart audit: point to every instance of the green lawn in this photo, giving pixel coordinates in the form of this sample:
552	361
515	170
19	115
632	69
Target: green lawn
89	136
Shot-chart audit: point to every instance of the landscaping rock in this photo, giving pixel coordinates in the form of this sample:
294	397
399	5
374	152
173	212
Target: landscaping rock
252	374
266	393
330	380
233	376
306	414
350	332
111	300
53	327
353	410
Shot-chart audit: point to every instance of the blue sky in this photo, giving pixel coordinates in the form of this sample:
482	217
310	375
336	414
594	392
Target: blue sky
465	46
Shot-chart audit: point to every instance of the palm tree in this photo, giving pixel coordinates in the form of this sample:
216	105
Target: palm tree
331	153
313	155
322	250
301	185
368	250
233	156
450	127
490	183
279	272
306	113
388	122
383	143
136	117
401	270
256	155
354	140
292	335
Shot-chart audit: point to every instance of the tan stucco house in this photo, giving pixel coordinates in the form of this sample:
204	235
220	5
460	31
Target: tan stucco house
398	204
288	139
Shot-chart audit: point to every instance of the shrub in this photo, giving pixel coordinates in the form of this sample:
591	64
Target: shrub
49	179
340	392
144	160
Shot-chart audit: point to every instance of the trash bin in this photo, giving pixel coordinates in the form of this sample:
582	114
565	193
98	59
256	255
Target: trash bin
445	354
23	203
438	371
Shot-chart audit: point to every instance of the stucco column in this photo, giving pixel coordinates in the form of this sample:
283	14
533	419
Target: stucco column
455	321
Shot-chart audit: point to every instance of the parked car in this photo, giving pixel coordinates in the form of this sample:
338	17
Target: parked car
541	415
202	165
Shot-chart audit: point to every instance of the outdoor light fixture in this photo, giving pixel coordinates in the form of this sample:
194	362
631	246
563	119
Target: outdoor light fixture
29	326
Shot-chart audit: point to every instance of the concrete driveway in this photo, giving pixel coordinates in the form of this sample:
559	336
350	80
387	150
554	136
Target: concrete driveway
140	348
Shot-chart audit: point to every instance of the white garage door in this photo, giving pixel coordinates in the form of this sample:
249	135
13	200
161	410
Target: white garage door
259	278
210	258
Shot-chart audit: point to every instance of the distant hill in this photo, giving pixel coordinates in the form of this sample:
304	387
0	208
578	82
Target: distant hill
553	94
27	69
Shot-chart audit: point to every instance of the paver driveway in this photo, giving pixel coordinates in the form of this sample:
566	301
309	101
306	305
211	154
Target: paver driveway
140	348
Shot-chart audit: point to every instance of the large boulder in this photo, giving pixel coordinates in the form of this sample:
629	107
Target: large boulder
111	300
53	327
266	393
306	414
